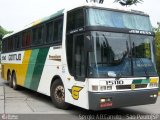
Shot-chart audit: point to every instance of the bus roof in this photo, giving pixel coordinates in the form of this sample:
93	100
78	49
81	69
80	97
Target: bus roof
60	12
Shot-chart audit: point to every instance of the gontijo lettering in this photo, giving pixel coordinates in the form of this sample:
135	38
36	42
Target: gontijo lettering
14	57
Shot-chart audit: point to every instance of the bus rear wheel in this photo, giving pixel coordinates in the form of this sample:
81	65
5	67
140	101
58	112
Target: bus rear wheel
14	81
9	79
58	95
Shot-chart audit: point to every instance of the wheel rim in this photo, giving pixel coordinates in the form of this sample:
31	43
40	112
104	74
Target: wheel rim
59	94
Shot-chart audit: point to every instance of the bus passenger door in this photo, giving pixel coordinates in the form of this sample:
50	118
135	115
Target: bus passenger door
79	57
80	88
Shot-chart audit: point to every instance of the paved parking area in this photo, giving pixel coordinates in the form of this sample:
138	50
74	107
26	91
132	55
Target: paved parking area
25	101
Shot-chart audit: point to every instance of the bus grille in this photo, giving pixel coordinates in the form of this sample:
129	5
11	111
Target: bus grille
120	87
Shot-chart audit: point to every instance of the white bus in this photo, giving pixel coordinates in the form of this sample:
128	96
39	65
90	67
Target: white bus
89	56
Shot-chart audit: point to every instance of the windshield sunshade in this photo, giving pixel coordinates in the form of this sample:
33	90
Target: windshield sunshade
106	18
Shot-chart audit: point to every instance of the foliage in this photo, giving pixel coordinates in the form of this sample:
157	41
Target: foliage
2	33
158	28
128	2
157	46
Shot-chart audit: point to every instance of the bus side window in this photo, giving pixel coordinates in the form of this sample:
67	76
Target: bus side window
24	39
28	40
49	32
5	45
10	44
54	30
58	30
17	42
34	37
75	20
40	33
37	36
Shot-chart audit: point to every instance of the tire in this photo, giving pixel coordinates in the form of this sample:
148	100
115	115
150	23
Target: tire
9	79
58	95
14	81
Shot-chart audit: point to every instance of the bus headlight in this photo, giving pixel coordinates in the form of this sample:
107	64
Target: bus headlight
109	87
95	87
103	88
102	100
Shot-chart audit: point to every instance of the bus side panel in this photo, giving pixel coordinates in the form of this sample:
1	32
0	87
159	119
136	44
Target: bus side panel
4	71
51	67
19	65
28	67
31	66
21	70
35	68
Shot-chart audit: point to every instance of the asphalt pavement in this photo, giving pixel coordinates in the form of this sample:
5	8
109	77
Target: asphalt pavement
25	104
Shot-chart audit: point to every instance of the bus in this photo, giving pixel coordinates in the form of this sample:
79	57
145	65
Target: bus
90	56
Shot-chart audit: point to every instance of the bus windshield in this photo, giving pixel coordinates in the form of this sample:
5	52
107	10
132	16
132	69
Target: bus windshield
106	18
121	54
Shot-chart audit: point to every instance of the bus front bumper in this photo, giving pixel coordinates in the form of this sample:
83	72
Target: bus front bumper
108	100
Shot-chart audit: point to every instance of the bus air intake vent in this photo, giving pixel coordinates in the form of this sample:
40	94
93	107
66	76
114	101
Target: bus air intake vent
137	86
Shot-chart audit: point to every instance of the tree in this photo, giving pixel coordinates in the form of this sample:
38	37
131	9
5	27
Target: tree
158	28
1	37
157	46
128	2
2	33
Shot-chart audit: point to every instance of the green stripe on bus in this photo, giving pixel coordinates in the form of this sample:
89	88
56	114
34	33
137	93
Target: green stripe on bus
136	81
145	81
41	58
31	66
141	81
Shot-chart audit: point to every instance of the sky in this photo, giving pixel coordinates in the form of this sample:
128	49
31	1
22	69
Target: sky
15	14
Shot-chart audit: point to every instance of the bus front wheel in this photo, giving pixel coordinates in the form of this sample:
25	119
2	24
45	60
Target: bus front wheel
58	95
